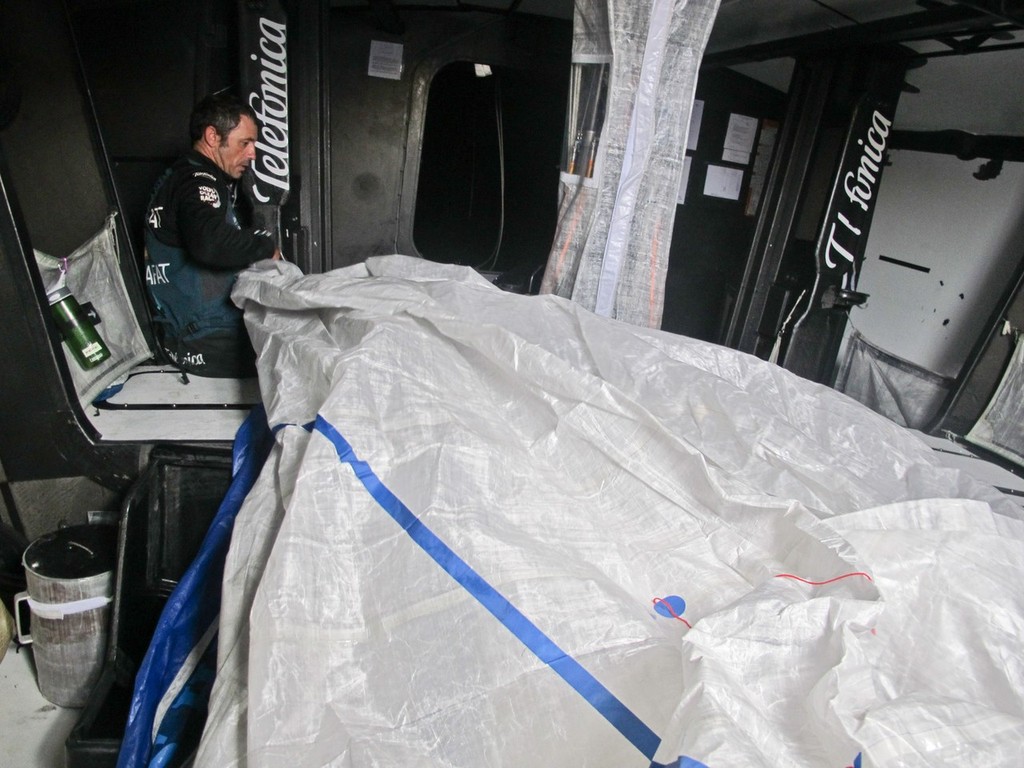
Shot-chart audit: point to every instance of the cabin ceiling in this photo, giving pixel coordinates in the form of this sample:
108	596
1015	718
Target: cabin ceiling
751	28
758	37
742	24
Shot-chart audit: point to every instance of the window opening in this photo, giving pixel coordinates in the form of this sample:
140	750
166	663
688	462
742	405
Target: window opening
488	177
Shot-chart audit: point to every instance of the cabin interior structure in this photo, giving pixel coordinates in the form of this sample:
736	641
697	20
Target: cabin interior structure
441	130
412	166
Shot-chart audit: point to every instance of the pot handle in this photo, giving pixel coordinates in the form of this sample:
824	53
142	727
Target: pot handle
20	598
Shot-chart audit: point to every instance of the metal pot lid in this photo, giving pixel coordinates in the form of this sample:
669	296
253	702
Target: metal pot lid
75	552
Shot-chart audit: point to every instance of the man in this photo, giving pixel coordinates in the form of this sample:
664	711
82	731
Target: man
197	242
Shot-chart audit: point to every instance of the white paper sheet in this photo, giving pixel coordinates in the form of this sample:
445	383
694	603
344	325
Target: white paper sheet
385	60
723	182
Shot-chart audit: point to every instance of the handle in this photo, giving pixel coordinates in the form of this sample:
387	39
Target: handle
20	598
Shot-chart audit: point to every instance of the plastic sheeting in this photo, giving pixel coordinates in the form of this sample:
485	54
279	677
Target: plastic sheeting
172	686
499	530
1001	427
93	274
899	390
611	247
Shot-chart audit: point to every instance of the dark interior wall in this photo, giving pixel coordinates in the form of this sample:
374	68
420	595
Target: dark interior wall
103	91
61	191
378	124
146	64
55	193
711	237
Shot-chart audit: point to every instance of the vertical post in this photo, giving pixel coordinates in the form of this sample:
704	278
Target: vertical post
814	343
263	52
790	168
307	214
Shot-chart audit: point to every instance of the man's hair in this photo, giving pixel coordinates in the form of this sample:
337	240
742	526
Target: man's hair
220	110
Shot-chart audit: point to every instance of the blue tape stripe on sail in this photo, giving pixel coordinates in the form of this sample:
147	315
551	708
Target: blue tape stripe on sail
613	710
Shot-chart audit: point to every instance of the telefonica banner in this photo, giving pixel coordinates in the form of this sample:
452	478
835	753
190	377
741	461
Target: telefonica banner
264	67
841	245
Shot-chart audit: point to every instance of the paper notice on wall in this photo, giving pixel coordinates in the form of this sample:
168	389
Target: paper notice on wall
385	60
723	182
696	115
735	156
681	197
739	139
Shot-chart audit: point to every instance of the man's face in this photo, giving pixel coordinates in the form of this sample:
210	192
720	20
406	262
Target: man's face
239	148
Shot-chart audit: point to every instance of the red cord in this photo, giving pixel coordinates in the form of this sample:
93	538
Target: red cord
672	611
820	583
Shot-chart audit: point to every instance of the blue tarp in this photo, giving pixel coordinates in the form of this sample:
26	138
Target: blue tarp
169	701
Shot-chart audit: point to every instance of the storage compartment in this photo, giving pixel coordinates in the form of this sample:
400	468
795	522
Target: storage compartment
164	519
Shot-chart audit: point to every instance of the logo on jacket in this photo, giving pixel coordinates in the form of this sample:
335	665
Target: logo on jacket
209	195
156	274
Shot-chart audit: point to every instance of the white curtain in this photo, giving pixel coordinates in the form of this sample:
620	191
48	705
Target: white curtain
635	68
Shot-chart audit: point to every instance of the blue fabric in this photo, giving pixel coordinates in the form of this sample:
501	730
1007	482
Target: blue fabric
109	392
682	762
182	724
192	608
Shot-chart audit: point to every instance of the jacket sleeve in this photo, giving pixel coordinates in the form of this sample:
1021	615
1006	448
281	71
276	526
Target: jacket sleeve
208	236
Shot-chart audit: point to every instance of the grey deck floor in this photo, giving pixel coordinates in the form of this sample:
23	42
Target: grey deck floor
33	730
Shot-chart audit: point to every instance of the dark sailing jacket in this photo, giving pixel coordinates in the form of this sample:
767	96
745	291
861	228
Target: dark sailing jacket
195	246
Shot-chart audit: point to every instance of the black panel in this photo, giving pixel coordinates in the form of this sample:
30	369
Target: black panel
55	196
378	125
712	236
49	144
146	64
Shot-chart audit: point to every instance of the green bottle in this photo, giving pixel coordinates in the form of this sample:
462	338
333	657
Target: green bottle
76	329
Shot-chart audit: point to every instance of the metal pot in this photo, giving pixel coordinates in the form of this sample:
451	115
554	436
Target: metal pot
69	576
